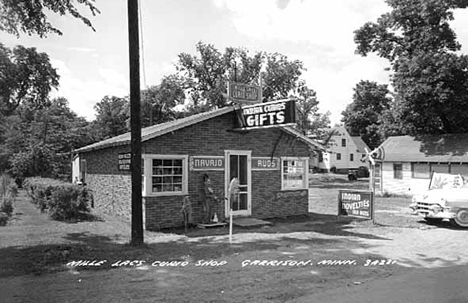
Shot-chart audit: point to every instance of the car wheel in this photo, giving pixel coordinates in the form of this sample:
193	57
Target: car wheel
433	220
461	219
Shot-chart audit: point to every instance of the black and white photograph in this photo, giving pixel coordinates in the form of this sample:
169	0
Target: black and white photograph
267	151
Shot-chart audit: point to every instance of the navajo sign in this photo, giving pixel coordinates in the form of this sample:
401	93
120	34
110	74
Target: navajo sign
269	114
244	93
356	203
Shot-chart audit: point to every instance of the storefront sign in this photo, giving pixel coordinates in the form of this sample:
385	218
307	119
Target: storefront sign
244	93
125	161
265	163
206	163
356	203
270	114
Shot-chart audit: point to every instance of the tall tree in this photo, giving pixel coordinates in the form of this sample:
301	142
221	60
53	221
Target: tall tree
363	116
29	16
309	119
159	101
112	118
430	79
25	76
206	74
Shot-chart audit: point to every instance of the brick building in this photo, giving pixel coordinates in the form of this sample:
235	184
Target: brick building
270	163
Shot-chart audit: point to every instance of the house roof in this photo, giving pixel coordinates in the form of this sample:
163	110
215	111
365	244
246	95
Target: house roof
427	148
167	127
360	144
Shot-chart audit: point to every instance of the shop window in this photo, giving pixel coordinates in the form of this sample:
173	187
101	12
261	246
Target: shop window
294	173
165	175
397	171
351	157
459	168
338	156
343	142
440	168
421	170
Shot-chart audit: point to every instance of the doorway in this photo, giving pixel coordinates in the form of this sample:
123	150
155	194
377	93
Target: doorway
238	166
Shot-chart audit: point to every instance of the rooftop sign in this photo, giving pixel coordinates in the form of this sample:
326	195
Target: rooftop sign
244	93
269	114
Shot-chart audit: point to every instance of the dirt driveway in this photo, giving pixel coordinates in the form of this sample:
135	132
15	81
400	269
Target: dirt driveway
286	262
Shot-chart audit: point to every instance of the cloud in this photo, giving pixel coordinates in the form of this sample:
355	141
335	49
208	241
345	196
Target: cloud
81	94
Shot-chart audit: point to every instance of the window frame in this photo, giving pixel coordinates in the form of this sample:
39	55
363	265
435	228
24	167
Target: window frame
338	156
351	157
148	175
305	174
343	142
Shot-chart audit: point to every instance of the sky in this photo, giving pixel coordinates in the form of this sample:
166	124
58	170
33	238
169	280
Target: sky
92	64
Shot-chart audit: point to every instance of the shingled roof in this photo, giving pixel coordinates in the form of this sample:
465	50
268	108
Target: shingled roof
427	148
167	127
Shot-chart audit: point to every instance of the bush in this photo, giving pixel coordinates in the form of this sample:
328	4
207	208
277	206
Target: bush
62	200
8	192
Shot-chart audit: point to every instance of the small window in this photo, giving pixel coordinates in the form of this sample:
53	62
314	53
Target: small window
294	174
165	175
351	157
421	170
338	156
320	157
397	171
343	142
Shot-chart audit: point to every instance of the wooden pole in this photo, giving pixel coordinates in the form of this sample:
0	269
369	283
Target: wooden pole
135	122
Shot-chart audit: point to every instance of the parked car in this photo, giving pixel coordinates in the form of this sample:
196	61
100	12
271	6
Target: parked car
361	172
446	198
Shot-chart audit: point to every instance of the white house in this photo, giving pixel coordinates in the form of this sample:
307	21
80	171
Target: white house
345	152
406	163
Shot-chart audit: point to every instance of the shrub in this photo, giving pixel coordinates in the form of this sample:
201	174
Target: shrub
8	192
62	200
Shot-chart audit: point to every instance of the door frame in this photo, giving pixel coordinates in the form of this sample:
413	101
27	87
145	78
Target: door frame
227	171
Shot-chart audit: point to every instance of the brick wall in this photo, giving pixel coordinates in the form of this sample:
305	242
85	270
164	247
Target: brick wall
211	138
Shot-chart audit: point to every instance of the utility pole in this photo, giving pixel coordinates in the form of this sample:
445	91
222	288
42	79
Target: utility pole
135	122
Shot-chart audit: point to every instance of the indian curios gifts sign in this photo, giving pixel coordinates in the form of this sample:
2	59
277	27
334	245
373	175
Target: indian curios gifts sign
356	203
269	114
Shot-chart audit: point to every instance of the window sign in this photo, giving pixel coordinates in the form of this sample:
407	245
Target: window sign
294	174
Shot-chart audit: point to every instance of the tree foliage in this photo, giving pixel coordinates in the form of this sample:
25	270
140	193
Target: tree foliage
158	102
206	74
112	116
309	119
25	76
29	16
363	116
429	77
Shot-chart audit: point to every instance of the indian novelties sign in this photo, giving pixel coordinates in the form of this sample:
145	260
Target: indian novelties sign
269	114
356	203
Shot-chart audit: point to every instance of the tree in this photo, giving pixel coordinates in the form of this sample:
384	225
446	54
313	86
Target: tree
29	16
363	116
309	120
25	75
113	114
430	79
159	101
206	75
